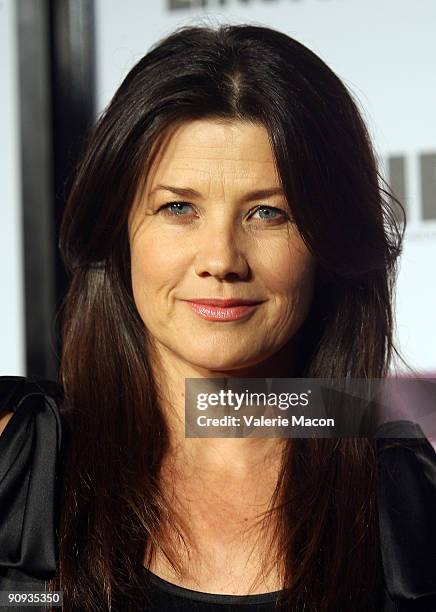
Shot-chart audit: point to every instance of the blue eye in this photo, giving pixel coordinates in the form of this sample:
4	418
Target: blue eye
272	212
177	210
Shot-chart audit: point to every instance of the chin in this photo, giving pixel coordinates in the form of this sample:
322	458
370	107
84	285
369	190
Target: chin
218	365
223	366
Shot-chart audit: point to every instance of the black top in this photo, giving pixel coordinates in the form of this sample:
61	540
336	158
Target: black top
30	451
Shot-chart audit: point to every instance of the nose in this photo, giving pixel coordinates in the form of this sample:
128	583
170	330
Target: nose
219	254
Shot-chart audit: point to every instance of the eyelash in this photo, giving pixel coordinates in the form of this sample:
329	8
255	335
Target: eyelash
166	207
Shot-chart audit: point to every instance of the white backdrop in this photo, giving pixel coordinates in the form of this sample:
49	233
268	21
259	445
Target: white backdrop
384	50
11	262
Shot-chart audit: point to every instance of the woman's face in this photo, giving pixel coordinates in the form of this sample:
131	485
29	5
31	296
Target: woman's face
218	240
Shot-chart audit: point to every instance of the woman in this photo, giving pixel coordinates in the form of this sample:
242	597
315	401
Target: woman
231	164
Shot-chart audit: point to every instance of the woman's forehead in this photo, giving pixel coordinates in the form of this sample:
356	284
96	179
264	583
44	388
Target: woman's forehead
207	148
209	138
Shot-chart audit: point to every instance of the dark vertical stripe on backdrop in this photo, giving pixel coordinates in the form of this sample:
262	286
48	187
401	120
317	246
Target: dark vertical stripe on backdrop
57	107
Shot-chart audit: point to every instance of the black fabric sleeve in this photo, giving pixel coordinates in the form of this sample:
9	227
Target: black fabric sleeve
407	516
30	448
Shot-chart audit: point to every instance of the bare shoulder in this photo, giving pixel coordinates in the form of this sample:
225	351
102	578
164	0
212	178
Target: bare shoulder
4	419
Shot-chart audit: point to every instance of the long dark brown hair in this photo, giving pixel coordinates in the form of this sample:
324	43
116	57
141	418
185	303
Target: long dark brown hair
325	501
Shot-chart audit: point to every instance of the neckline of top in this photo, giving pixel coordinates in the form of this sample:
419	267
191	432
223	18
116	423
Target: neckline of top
179	591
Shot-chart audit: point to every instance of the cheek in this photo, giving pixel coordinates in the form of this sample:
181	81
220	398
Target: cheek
289	271
156	268
295	282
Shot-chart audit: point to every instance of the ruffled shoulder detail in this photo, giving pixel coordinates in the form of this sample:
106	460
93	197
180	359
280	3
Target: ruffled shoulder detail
30	450
407	515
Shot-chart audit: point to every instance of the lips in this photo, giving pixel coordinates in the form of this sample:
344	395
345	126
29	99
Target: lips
222	310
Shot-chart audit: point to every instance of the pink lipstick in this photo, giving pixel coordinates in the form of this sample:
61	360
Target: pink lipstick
215	309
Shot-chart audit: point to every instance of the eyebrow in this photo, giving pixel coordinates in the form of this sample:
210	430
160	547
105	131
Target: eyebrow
192	193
